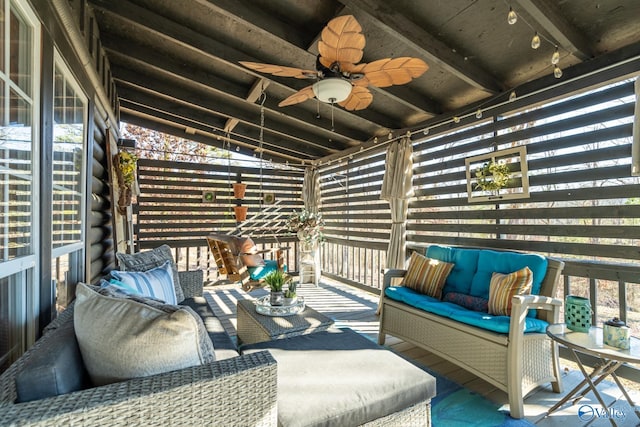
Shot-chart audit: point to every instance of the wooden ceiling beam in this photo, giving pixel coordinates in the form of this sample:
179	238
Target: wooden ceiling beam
256	18
428	46
546	13
197	121
246	113
256	90
207	86
397	93
123	15
145	121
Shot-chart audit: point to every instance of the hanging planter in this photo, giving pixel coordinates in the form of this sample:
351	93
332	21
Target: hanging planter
125	166
241	213
239	189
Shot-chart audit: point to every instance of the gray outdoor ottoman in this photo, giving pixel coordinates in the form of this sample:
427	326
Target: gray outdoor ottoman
340	378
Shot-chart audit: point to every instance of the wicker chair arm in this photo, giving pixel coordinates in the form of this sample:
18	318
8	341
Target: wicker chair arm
521	304
390	274
191	283
237	391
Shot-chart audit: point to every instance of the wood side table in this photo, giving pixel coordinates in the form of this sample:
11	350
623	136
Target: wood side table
612	358
254	327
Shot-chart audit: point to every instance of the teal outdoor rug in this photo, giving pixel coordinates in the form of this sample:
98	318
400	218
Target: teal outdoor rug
456	406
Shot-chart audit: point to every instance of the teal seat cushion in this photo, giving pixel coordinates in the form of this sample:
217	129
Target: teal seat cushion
465	264
506	262
257	273
499	324
418	300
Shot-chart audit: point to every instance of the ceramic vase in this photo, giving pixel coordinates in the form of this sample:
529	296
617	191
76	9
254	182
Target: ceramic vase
276	298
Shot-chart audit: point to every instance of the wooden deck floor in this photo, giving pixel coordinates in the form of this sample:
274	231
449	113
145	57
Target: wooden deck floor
354	308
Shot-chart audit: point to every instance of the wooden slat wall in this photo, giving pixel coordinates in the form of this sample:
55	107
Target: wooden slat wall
358	223
170	208
581	204
351	204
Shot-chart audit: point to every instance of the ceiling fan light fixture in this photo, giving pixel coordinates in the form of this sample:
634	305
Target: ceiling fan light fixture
332	90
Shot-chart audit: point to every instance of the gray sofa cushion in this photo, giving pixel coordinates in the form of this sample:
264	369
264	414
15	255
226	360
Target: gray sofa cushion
224	347
339	378
55	369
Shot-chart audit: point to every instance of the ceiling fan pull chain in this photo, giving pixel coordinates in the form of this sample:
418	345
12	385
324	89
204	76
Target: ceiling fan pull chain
264	98
332	126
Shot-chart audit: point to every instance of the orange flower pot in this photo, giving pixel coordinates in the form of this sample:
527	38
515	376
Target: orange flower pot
239	189
241	213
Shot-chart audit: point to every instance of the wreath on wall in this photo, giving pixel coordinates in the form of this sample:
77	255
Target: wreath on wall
493	176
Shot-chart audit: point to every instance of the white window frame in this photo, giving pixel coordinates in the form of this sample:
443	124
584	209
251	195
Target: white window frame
27	315
70	79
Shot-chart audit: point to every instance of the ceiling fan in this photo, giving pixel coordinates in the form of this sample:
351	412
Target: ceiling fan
340	79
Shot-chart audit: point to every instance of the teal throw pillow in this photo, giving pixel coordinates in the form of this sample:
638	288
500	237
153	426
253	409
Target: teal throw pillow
156	283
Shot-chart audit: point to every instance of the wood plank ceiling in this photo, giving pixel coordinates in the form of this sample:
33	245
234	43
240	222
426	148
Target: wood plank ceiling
176	62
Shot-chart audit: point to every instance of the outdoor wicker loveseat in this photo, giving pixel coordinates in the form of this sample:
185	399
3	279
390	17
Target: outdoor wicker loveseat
511	352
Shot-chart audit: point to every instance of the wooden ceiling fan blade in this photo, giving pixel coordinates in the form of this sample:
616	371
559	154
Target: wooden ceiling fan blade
298	97
279	70
359	99
392	71
342	41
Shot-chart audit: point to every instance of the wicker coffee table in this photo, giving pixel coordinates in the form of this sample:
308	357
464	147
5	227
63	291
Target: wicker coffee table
254	327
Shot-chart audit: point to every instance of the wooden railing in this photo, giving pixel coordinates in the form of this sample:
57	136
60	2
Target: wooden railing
613	289
354	262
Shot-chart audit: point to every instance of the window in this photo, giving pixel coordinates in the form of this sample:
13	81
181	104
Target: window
68	204
19	34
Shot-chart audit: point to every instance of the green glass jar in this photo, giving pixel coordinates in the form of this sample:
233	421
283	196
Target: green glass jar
577	313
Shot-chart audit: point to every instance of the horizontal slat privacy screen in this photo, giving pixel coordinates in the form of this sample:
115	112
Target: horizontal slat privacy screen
171	208
351	204
583	202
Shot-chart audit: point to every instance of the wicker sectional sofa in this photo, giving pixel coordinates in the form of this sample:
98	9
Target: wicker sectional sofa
512	360
250	387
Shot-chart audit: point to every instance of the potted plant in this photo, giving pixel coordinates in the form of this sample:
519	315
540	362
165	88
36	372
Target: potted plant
307	225
493	176
290	296
126	172
240	212
239	189
276	281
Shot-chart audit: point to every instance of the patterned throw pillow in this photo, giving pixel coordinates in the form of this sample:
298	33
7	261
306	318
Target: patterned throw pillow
143	261
129	337
503	287
156	283
246	245
426	275
467	301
